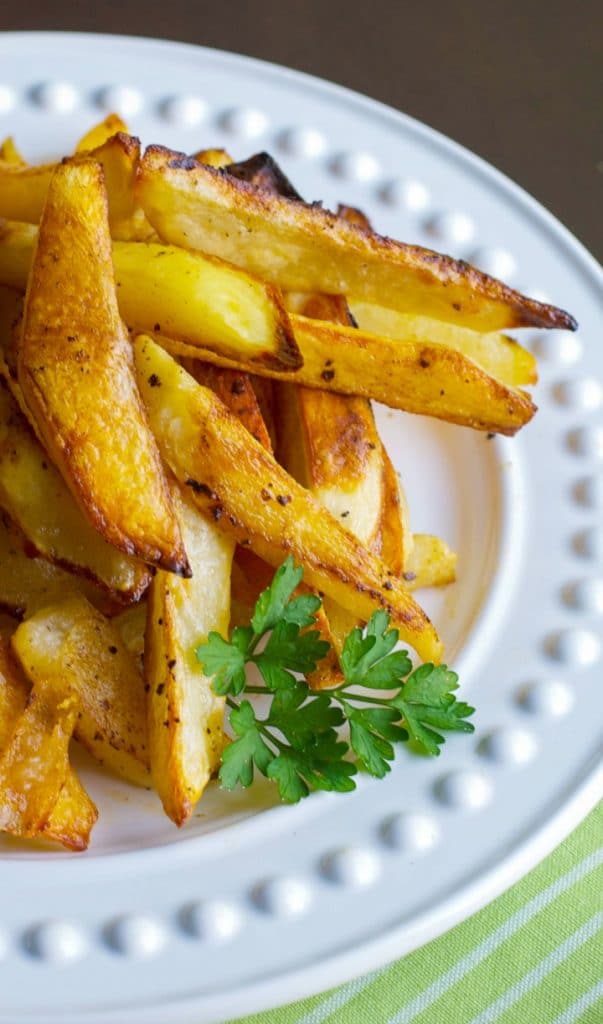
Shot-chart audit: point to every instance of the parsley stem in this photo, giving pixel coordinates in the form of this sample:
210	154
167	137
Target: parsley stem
270	736
345	693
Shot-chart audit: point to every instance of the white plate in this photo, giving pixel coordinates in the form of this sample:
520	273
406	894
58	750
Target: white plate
250	906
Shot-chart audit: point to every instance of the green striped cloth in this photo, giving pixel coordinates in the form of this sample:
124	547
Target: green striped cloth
534	956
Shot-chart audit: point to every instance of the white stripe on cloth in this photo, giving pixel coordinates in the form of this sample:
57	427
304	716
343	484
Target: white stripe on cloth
540	971
340	998
584	1002
492	941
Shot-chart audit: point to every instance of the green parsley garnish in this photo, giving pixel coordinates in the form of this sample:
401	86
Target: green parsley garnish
297	743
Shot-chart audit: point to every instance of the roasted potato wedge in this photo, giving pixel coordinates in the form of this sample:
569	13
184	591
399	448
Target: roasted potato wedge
100	133
428	379
73	815
75	371
35	761
37	499
184	714
23	189
187	295
132	624
213	157
329	443
237	483
499	355
27	584
198	298
235	389
304	248
336	357
431	563
10	153
72	643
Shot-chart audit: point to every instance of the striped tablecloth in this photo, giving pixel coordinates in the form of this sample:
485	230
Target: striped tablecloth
534	956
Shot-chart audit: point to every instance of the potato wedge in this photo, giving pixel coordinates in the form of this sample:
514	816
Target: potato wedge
23	189
329	443
235	389
431	563
339	358
184	714
101	132
74	814
184	294
73	643
428	379
213	157
304	248
37	499
132	624
237	483
10	154
27	584
35	762
198	298
499	355
75	371
262	171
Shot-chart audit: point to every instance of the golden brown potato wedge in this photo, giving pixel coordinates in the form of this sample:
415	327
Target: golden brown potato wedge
72	643
74	814
252	575
23	190
10	153
393	539
36	498
17	244
35	761
339	358
101	132
237	483
499	355
184	714
200	299
330	444
304	248
183	294
75	371
235	389
213	157
431	563
132	623
27	584
416	377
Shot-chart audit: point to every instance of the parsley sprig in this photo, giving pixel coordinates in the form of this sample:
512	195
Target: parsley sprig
298	743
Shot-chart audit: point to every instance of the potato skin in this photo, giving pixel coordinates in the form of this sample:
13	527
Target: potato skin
305	248
417	377
237	483
184	715
70	643
75	369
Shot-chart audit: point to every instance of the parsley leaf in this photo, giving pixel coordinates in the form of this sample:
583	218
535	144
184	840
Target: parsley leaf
426	703
366	659
225	662
270	605
249	750
299	745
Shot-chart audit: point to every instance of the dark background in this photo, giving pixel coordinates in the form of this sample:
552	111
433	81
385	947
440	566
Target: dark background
519	83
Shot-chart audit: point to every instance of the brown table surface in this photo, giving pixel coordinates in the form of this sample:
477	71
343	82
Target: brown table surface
520	83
